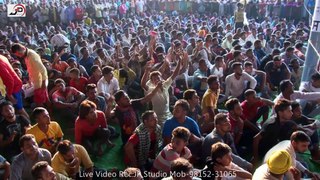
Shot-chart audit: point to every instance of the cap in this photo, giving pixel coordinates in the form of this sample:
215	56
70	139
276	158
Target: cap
279	162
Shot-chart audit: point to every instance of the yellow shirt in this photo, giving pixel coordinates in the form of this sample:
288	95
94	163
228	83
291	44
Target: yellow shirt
88	21
3	91
46	140
122	80
37	71
210	99
59	165
239	16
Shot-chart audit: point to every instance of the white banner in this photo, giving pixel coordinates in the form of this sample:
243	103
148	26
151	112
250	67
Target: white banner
316	18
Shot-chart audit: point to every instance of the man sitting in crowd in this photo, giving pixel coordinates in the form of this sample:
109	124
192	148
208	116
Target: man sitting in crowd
236	82
47	133
12	127
70	159
82	39
66	99
126	111
298	143
146	140
221	133
42	170
210	101
276	129
108	84
31	154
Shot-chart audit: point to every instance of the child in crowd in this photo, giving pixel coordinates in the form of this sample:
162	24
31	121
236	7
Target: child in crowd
221	164
177	148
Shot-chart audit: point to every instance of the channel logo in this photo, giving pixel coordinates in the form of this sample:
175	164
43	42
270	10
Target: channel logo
16	10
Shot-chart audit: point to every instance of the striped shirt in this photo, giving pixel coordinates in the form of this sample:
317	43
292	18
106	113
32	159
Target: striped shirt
167	155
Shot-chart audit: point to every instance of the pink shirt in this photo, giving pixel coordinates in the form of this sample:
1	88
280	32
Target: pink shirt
167	155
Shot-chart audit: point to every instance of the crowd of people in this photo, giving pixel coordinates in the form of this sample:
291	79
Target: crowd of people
208	96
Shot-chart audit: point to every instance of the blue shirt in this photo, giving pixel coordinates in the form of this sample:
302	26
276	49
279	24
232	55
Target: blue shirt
87	64
69	13
172	123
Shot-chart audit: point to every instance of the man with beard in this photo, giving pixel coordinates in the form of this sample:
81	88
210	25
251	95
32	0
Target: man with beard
221	133
276	72
37	73
276	129
144	144
47	133
12	127
30	155
298	143
126	111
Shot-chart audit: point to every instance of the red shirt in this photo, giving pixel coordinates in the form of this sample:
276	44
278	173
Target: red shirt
229	56
234	125
249	112
67	96
93	80
61	66
84	129
79	84
9	77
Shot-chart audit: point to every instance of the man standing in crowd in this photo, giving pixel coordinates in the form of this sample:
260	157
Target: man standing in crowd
13	85
37	72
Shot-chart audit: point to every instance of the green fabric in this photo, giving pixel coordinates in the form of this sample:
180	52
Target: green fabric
113	158
312	166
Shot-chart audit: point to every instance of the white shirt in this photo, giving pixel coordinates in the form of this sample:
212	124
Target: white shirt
287	146
251	38
106	88
235	87
59	40
307	86
127	39
218	72
262	173
232	166
297	95
242	42
160	101
226	44
204	55
139	6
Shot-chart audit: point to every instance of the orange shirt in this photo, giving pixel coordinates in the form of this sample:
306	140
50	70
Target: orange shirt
61	66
